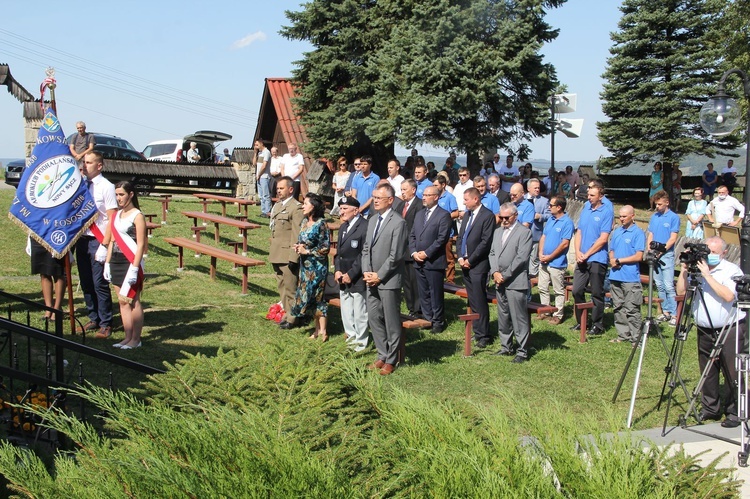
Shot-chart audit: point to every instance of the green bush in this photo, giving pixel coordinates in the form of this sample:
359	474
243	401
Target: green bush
308	421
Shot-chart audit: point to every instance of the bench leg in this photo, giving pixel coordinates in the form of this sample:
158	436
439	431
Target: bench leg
468	318
180	264
216	233
213	268
401	347
244	280
584	320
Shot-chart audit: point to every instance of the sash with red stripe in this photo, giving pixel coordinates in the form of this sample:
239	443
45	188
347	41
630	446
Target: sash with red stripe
128	247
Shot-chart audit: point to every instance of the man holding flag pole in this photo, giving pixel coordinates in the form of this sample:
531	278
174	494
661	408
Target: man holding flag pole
52	203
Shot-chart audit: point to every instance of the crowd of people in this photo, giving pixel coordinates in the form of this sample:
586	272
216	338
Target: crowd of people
397	240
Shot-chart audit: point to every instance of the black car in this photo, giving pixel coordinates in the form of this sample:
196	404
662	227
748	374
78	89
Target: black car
13	171
112	147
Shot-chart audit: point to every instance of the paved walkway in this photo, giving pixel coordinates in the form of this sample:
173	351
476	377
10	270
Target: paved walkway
709	439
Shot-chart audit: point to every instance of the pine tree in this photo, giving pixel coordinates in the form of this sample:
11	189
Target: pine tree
666	61
464	74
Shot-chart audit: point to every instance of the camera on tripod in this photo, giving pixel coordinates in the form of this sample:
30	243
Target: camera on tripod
742	285
694	253
656	249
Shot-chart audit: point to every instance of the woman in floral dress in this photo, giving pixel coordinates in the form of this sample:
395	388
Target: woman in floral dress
312	247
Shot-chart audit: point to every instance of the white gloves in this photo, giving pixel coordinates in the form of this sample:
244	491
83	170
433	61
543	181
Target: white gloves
132	276
107	272
101	254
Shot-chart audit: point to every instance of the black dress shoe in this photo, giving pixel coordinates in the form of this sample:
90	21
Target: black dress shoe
504	353
287	325
519	360
595	331
730	423
482	343
575	327
704	416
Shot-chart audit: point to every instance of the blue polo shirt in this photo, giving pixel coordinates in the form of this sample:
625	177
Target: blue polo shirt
591	224
364	187
661	226
447	201
422	185
627	242
491	202
541	206
555	231
526	212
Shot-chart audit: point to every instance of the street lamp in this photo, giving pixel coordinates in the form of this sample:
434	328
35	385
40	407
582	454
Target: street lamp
560	104
719	116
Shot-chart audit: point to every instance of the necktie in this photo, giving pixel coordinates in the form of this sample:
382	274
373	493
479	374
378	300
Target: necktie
343	232
426	215
89	183
377	228
506	233
406	208
466	235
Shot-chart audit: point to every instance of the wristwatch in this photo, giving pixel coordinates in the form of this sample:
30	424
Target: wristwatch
617	262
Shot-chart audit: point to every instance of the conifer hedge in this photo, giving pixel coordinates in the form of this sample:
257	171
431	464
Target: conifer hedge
309	421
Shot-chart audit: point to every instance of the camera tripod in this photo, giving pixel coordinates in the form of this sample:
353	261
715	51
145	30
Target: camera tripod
672	369
649	326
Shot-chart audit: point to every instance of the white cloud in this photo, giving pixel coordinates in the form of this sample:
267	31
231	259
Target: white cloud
247	40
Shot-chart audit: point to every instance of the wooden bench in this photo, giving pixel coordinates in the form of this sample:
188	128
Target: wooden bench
407	322
586	306
164	200
218	220
215	253
224	200
531	307
150	226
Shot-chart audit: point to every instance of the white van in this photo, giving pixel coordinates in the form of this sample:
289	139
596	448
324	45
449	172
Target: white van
175	150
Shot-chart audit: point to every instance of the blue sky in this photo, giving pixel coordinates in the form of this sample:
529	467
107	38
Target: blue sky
162	69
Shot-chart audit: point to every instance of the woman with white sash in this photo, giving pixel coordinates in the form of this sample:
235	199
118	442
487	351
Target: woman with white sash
124	265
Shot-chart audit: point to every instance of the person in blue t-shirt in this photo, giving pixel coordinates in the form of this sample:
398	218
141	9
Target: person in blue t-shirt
664	227
594	227
487	199
447	201
364	184
625	255
553	256
525	208
420	177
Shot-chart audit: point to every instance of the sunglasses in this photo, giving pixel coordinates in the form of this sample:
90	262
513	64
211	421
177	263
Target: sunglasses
506	218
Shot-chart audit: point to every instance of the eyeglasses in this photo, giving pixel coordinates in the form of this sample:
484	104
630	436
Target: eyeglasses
505	218
463	174
357	164
553	205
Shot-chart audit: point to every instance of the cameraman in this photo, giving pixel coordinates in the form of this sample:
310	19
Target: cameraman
719	294
664	227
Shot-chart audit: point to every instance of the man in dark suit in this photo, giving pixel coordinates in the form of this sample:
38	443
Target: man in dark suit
493	185
383	268
427	241
348	265
412	206
509	267
473	246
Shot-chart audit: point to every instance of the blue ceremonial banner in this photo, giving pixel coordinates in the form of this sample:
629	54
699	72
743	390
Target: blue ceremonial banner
52	201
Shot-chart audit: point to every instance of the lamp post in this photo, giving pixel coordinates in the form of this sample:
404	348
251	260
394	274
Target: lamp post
560	104
719	116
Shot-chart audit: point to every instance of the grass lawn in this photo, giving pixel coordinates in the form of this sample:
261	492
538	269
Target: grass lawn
187	312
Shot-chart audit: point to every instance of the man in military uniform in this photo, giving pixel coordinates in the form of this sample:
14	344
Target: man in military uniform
286	217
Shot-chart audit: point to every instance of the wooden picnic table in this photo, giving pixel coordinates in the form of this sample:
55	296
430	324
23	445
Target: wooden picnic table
218	220
206	198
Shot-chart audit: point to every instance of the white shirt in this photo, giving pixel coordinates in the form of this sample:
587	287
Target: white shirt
275	165
193	156
292	165
458	193
723	211
396	184
726	169
103	192
510	171
719	311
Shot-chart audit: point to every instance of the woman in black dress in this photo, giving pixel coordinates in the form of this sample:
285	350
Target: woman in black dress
123	265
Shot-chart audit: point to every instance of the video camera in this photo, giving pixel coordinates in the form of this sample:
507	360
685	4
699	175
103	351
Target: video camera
743	287
653	256
694	253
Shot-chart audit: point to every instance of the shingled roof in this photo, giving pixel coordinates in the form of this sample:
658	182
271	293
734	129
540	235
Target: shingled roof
278	123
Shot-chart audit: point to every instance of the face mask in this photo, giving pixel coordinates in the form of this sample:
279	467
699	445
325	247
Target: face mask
713	259
722	196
